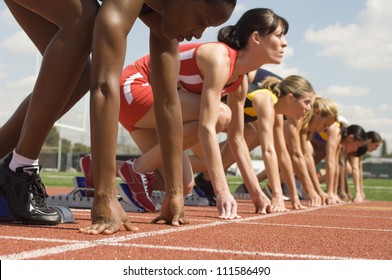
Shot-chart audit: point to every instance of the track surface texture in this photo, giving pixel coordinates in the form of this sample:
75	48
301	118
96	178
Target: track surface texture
341	232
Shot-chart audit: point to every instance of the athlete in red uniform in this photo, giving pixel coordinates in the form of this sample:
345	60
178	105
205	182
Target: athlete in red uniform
208	71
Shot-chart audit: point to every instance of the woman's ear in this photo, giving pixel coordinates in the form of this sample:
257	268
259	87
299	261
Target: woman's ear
290	97
255	38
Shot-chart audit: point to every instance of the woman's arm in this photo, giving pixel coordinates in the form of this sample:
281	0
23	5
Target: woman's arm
356	175
214	64
292	131
285	163
331	161
307	149
239	148
164	65
265	110
112	24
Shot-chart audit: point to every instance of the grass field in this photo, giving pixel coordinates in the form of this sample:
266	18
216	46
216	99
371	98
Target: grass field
375	189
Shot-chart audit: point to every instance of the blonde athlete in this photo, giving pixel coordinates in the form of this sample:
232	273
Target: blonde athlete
266	106
323	114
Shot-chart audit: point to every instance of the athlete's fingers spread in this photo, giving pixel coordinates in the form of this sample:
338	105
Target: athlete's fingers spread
277	208
176	220
221	212
157	219
184	221
96	228
91	229
111	229
234	214
268	209
130	227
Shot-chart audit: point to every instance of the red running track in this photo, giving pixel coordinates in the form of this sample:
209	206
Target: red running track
342	232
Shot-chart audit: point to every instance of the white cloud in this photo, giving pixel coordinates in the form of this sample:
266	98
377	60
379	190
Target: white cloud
14	92
385	108
356	113
365	44
344	91
3	75
18	43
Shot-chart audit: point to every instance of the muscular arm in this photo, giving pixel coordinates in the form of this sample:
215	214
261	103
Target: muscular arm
108	53
214	64
108	57
164	65
307	148
357	178
292	134
215	70
239	148
264	106
331	159
284	160
164	72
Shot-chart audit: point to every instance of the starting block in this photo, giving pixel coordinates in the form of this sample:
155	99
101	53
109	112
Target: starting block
125	194
6	215
80	197
241	192
193	199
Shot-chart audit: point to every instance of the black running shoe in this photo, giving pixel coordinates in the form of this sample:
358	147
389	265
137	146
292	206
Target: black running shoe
207	188
26	195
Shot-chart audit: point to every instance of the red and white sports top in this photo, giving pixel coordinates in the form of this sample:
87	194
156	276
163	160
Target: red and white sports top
190	77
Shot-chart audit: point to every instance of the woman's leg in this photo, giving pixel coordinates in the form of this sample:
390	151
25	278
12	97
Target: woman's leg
62	31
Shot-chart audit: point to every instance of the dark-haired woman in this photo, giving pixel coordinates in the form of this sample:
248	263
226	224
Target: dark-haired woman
208	71
374	141
332	145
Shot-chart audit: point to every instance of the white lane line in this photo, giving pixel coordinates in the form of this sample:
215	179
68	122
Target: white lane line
85	244
353	216
320	227
239	252
108	241
116	241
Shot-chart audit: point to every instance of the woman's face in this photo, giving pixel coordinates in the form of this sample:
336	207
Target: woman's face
351	145
372	146
299	106
187	21
319	123
273	46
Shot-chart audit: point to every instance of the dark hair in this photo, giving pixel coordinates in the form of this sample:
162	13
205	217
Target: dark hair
356	131
262	20
219	2
374	137
359	134
360	151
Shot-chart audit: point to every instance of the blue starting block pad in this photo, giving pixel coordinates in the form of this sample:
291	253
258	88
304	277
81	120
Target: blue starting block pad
6	215
82	197
126	195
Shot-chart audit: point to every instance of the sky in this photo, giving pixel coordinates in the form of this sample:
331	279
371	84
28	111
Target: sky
344	48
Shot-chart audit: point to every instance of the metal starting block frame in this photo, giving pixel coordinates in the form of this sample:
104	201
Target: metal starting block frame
80	198
192	199
241	192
